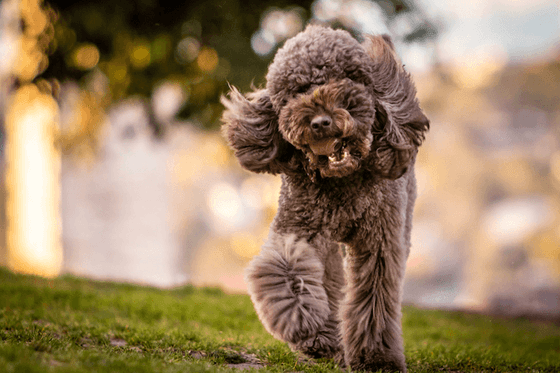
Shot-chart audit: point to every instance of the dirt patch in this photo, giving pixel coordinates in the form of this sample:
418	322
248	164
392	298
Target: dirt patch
197	354
86	342
233	359
249	361
117	342
245	366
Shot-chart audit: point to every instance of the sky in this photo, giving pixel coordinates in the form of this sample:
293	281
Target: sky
470	31
517	30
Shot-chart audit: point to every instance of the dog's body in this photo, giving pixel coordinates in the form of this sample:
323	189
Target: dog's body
340	121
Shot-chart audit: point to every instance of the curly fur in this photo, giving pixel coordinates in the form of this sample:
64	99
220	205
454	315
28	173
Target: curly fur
341	123
285	283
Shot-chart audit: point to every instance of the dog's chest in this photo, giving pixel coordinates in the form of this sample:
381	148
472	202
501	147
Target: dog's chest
334	206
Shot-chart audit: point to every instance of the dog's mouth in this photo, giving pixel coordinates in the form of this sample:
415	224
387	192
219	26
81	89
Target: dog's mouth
332	157
334	149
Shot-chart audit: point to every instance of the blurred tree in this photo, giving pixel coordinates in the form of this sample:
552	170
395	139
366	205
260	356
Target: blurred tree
201	44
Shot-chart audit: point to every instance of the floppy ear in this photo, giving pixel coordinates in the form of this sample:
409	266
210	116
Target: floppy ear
250	125
400	124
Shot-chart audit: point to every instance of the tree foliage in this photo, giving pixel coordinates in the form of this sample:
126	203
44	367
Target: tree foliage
203	45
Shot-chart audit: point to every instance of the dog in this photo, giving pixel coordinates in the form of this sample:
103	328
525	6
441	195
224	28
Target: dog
340	122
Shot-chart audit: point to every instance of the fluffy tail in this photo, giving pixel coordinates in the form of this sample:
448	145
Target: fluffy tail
285	282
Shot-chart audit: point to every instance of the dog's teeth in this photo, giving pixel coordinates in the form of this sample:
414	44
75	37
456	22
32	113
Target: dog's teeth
339	157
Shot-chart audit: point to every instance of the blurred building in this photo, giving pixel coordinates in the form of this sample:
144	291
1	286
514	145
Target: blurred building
487	229
159	209
116	211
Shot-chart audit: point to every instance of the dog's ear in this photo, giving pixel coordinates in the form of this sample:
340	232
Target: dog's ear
400	124
396	143
250	125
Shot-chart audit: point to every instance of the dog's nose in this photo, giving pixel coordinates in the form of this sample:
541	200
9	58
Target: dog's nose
320	123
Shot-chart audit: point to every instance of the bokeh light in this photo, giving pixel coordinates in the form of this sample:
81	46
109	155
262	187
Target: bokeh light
167	100
263	42
226	205
207	59
187	50
86	56
33	40
140	54
277	25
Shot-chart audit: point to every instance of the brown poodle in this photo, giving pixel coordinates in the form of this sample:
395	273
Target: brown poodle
341	122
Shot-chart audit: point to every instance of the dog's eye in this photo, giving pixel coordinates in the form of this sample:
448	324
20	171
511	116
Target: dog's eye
303	88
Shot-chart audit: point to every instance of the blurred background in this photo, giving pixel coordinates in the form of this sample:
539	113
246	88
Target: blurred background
113	166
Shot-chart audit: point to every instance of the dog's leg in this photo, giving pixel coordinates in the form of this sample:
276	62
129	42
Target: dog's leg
327	342
371	312
286	284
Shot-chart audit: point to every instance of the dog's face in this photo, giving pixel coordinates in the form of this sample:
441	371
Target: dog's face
332	125
331	106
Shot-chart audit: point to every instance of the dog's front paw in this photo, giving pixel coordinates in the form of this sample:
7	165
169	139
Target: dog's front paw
325	344
373	361
286	287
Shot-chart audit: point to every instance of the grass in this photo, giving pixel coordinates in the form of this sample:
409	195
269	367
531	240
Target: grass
76	325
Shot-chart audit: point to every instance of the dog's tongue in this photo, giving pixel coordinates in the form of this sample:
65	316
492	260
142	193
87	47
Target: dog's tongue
325	146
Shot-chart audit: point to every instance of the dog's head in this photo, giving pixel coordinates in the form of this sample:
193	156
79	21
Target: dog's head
331	106
332	125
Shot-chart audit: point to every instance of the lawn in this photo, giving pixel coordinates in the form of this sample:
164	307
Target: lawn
75	325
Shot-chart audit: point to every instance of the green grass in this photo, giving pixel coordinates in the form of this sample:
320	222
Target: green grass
75	325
